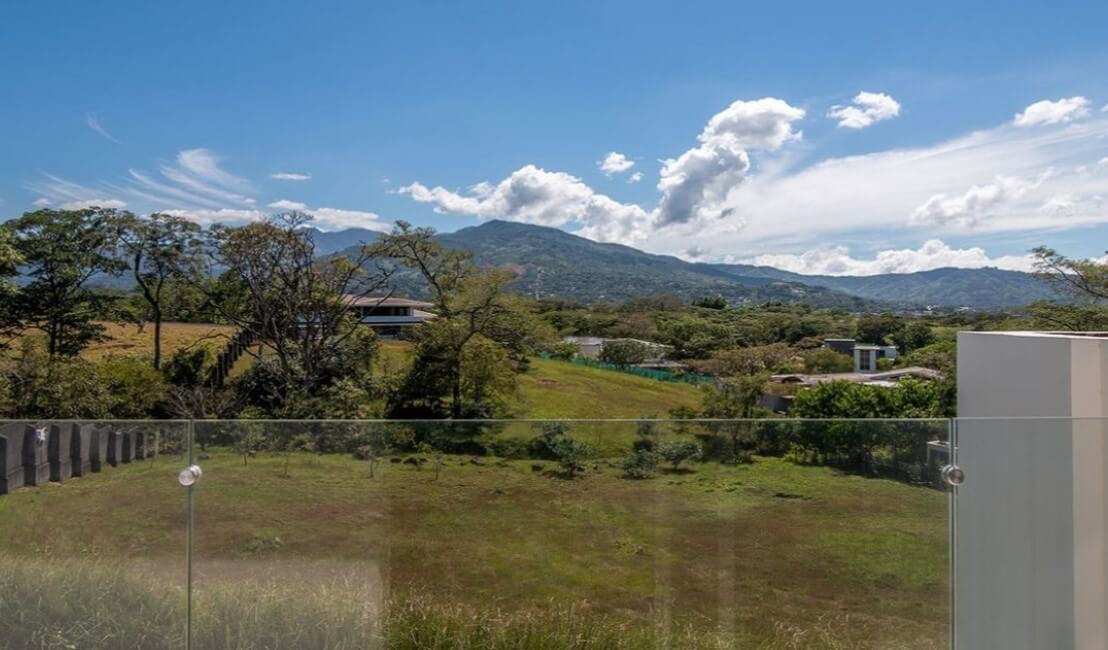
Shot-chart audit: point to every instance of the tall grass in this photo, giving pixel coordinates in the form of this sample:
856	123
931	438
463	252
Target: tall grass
80	605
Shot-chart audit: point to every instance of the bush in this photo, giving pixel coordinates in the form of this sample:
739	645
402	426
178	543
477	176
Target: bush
509	447
639	464
563	350
825	360
571	455
624	353
676	452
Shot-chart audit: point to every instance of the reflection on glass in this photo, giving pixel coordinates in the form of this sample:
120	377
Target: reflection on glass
92	535
702	534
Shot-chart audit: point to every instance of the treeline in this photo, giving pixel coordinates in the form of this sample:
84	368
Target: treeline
266	279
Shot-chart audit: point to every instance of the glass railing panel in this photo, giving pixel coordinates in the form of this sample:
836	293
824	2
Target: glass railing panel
636	534
92	534
1031	528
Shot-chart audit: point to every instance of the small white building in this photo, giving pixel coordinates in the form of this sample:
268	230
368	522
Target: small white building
589	347
866	356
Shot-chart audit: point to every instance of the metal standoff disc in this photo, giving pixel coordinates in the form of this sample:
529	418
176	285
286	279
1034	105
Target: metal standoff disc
189	475
953	475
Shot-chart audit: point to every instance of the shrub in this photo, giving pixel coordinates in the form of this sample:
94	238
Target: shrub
563	350
509	447
639	464
624	353
571	455
676	452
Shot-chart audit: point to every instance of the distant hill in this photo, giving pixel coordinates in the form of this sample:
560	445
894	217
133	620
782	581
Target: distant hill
946	287
551	262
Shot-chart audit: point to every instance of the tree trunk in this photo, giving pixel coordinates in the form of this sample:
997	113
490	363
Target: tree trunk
157	339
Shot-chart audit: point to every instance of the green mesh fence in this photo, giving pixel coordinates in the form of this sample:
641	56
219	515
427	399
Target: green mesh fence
649	373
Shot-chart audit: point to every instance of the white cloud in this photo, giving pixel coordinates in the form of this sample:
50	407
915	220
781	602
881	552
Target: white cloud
336	219
615	163
696	184
933	254
290	176
976	203
785	206
226	216
94	203
634	178
865	109
285	204
93	121
199	171
41	202
534	195
1056	112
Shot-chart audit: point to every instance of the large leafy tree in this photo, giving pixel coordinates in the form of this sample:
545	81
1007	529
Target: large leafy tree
296	303
472	307
1084	284
60	251
160	249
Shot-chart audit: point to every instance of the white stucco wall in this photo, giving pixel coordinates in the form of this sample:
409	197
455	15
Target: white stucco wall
1032	517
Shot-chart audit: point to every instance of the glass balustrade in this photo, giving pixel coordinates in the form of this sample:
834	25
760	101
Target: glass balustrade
473	534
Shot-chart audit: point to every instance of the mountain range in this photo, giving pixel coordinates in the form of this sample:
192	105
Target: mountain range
549	262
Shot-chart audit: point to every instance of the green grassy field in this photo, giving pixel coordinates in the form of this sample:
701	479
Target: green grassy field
556	389
488	554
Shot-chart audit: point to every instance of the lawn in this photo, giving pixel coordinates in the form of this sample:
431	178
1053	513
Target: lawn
490	553
556	389
128	340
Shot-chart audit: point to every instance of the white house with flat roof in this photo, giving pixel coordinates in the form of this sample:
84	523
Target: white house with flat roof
388	316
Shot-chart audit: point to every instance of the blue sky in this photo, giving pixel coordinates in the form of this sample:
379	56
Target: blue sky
446	114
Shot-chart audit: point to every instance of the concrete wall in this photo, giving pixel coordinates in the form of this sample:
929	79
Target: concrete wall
1032	516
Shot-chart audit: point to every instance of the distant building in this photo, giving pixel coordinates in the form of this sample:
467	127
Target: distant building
865	354
390	317
589	347
888	378
842	346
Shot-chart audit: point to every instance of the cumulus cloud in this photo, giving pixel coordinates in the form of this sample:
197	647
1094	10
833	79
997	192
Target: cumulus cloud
533	195
336	219
41	202
94	203
785	205
1053	112
634	178
290	176
285	204
976	203
696	184
615	163
933	254
865	109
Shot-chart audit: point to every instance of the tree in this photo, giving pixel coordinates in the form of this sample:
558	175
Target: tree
571	455
639	464
10	260
469	302
912	335
1086	281
676	452
624	352
160	248
61	250
295	302
876	327
825	360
